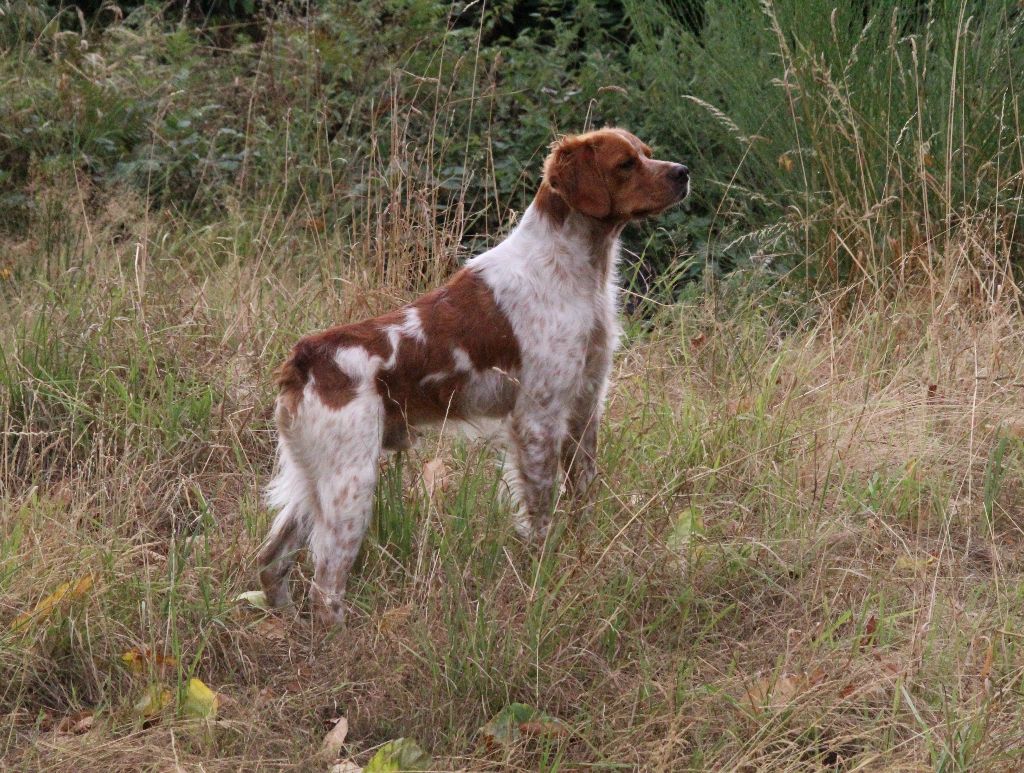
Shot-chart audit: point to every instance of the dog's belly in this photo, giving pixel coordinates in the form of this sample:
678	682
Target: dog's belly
437	398
489	394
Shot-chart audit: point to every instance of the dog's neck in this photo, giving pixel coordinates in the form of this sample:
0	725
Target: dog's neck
595	241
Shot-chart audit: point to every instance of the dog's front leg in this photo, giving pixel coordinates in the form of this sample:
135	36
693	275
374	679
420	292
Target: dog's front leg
579	450
535	440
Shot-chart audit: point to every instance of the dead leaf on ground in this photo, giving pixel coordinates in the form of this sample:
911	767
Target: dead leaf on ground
254	598
77	723
770	692
335	738
137	659
435	477
64	595
518	720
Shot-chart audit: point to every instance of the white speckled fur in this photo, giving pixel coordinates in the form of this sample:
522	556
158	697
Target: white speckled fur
544	279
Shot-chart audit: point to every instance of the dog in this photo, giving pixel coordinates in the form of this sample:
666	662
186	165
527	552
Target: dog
524	333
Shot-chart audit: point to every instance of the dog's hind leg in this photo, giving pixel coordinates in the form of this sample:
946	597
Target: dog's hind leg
346	478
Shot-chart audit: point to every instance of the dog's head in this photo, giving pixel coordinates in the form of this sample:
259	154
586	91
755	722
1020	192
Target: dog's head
609	174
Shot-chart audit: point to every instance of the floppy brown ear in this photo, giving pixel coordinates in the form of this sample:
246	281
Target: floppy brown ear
572	170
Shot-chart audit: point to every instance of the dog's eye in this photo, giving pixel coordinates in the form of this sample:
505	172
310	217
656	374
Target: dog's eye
628	164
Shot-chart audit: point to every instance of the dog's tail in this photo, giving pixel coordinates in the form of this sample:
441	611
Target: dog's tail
290	493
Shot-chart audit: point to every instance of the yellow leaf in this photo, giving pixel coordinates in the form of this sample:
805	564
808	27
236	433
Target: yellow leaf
786	162
68	591
135	659
200	701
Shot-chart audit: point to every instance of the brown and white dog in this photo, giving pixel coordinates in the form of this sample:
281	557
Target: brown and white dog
524	333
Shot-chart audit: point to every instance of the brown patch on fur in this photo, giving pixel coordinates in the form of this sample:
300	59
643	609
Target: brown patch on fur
464	314
313	357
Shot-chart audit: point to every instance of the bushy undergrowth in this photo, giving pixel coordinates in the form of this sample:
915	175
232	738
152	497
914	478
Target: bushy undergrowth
853	142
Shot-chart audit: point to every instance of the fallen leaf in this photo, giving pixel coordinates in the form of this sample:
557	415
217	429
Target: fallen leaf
153	701
254	598
775	693
516	720
76	724
67	592
917	564
698	341
200	701
869	631
399	755
135	660
335	738
685	534
435	477
786	162
272	628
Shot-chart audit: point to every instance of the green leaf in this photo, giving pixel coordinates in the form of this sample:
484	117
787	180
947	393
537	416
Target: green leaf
688	525
398	755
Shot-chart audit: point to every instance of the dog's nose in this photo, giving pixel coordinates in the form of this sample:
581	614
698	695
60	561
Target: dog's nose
680	172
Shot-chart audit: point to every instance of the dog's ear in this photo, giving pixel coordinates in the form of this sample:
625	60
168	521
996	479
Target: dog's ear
574	172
